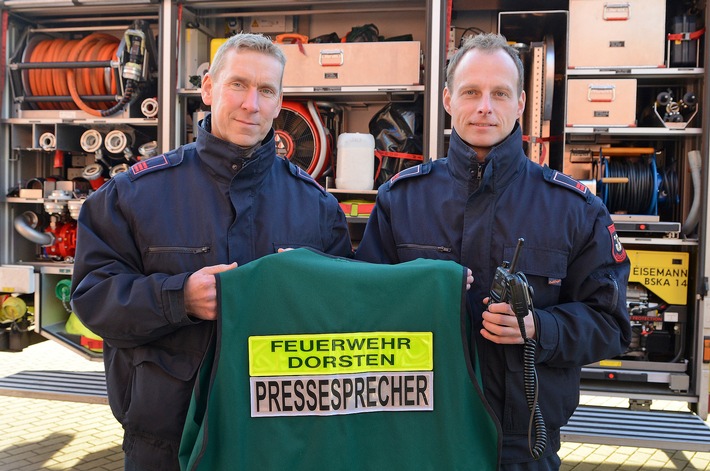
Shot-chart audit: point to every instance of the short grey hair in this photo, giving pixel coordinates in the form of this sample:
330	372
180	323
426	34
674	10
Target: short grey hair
490	43
248	42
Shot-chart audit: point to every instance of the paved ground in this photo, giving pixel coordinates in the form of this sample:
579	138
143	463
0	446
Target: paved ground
41	434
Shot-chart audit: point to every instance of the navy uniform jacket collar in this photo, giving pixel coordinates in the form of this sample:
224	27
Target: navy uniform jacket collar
224	160
501	164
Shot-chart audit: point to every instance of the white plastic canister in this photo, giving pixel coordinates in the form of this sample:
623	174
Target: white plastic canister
355	166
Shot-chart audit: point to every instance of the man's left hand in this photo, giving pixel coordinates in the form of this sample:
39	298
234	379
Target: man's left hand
501	326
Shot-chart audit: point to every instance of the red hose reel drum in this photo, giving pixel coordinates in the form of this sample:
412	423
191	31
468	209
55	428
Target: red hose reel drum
301	137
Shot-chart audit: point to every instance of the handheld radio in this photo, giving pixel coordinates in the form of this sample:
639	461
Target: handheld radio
513	288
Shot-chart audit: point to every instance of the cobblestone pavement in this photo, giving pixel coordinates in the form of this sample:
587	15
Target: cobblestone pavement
43	434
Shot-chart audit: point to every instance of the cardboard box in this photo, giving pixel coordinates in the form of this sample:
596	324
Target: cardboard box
580	159
387	63
601	102
616	34
395	63
31	194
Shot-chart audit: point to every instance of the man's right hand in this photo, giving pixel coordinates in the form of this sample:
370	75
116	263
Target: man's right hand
201	292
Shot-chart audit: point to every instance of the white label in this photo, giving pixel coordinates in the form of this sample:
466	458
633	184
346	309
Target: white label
342	394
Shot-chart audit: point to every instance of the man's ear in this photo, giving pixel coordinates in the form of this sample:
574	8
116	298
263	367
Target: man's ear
521	104
447	100
206	89
278	108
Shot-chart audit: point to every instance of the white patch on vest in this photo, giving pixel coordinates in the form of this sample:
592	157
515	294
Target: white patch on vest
342	394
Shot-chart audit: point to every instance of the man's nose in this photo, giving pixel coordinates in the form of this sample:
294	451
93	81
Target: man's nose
484	105
251	99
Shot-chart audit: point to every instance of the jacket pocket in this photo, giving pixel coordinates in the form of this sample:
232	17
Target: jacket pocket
544	269
119	379
161	390
412	251
558	394
177	258
166	249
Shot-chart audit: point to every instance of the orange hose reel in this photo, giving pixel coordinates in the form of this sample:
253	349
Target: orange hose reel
82	82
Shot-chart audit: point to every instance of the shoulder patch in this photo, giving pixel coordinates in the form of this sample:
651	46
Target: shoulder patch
411	172
557	178
154	164
617	249
303	175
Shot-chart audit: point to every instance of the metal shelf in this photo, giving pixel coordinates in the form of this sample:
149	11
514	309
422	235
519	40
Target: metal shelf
634	390
350	94
237	8
57	331
345	191
627	131
658	241
638	72
16	199
92	121
47	7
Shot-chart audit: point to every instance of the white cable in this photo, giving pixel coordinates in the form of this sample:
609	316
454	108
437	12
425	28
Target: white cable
321	136
695	163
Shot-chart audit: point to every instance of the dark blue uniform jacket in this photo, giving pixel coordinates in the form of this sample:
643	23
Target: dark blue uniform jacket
145	231
455	209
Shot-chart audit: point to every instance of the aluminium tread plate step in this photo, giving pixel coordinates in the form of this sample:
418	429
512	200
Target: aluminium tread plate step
77	386
617	426
589	424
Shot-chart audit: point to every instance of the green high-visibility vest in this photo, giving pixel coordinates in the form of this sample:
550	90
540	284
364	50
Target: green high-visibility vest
329	363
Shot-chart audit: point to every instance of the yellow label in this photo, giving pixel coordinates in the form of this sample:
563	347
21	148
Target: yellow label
214	45
352	352
663	273
610	363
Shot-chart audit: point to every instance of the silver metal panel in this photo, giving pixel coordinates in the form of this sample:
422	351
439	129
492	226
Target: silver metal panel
88	386
645	429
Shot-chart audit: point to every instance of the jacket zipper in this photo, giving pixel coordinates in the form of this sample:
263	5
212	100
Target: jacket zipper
476	171
439	248
187	250
615	298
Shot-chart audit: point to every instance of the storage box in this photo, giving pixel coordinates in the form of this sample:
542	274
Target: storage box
387	63
616	34
601	102
579	161
17	279
31	193
395	63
